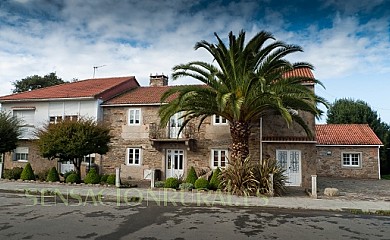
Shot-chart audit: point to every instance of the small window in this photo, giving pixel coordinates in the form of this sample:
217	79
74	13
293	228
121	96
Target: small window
71	118
133	156
218	120
134	116
21	154
219	158
89	158
351	159
55	119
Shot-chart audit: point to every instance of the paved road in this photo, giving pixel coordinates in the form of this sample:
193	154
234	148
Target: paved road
34	218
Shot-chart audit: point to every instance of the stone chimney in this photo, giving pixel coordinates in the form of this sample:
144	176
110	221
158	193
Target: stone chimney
158	80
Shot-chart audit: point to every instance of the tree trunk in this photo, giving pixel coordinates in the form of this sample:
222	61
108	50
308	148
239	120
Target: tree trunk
240	133
77	164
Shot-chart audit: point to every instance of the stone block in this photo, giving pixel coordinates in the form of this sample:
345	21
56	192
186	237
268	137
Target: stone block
331	192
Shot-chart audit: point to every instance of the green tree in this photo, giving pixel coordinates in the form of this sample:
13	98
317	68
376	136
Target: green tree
248	81
35	82
347	110
72	140
10	130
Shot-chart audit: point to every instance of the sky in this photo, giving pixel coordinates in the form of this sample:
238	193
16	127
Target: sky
348	41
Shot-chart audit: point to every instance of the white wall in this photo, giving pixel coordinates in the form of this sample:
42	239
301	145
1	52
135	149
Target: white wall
43	110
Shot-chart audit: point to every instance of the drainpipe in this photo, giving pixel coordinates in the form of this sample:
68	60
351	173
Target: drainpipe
379	163
261	139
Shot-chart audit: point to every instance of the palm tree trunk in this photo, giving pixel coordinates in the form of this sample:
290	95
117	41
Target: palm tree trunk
240	133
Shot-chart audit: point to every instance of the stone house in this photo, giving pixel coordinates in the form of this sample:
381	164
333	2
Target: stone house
347	150
141	145
52	104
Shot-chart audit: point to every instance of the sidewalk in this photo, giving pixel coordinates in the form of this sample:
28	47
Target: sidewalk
92	194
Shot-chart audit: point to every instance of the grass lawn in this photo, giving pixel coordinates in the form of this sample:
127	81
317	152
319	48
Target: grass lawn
387	177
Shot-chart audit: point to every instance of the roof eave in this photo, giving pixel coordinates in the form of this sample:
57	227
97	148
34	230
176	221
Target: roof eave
45	99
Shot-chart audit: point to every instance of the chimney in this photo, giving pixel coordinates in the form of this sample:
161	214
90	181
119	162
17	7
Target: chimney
158	80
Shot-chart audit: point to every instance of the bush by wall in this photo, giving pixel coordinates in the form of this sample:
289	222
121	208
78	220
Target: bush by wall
92	177
186	186
191	177
215	182
27	173
172	183
72	178
66	174
111	179
53	175
103	178
159	184
13	173
201	183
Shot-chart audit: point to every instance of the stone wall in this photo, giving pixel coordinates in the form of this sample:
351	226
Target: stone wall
329	162
38	163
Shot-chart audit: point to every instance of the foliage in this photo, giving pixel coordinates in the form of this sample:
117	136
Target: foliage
35	82
357	111
386	177
239	178
73	178
172	183
10	130
111	179
103	178
215	179
53	175
159	184
27	173
72	140
92	177
201	183
13	173
262	171
66	174
191	177
186	186
248	81
41	176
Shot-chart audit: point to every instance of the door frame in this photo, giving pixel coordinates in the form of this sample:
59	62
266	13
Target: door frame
298	178
172	169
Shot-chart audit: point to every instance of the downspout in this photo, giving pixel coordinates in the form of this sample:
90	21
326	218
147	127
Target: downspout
379	163
261	139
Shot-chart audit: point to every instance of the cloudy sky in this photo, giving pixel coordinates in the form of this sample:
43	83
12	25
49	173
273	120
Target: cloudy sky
347	41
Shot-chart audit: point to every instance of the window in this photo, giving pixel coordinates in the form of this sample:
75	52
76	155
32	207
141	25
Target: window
89	158
134	116
20	154
55	119
133	156
219	158
71	117
351	159
218	120
27	116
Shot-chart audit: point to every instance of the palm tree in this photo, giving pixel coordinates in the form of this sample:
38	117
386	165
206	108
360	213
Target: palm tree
247	82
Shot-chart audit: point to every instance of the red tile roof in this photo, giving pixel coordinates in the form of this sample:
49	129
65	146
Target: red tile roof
103	88
141	95
301	72
346	134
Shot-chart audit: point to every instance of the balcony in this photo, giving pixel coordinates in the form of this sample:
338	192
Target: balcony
166	137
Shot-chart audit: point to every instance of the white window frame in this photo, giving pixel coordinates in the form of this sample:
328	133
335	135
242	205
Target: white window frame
134	149
219	152
20	114
55	119
134	110
88	157
21	154
350	165
221	120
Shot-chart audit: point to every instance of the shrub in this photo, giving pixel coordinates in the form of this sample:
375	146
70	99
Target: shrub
41	176
263	169
53	176
215	182
92	177
27	173
111	179
72	178
201	183
186	186
172	183
103	178
191	177
13	173
239	179
159	184
66	174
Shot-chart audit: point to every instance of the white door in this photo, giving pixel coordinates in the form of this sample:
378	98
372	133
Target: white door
66	167
175	123
290	161
174	163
